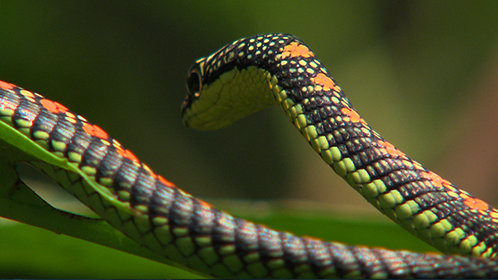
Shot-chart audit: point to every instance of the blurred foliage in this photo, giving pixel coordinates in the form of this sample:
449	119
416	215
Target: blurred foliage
408	66
58	256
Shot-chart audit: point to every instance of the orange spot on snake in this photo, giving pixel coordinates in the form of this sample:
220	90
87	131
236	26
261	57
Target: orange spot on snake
476	203
437	180
326	82
94	130
353	115
131	156
390	149
295	49
204	203
53	107
127	154
165	182
5	85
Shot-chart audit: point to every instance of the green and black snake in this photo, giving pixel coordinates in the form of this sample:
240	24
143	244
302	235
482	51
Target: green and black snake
238	79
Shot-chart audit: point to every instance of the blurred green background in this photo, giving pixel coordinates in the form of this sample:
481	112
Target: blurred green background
423	73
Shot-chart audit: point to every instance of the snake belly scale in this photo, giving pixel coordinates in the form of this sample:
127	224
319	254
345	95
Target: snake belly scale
240	78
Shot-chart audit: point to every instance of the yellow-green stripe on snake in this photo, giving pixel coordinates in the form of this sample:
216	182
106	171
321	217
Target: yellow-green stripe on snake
240	78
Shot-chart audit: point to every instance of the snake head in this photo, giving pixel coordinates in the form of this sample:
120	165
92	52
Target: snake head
225	87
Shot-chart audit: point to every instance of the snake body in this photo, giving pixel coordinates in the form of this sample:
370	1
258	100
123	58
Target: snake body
240	78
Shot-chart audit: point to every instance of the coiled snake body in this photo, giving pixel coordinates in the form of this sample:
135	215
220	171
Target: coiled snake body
240	78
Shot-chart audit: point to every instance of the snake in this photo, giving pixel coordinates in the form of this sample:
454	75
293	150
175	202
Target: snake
241	78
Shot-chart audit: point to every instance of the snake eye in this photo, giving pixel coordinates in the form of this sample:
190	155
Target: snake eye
194	82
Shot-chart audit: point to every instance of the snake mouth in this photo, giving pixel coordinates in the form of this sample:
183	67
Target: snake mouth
187	103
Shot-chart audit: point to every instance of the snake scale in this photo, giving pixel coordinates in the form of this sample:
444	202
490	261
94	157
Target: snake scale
238	79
